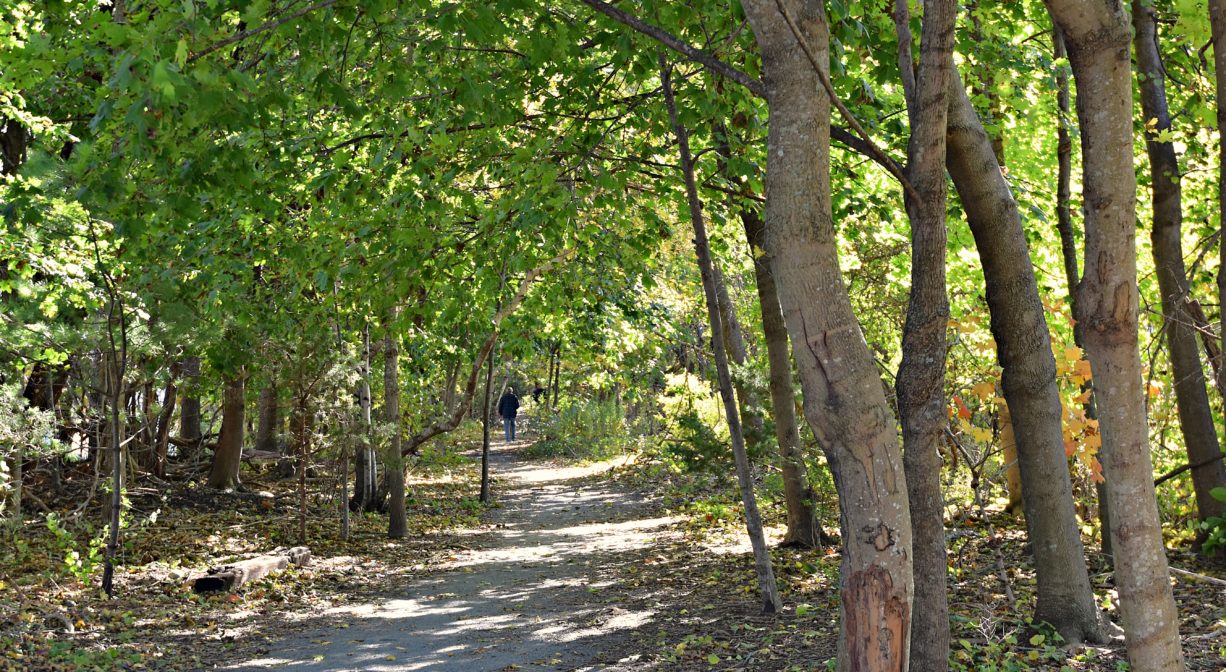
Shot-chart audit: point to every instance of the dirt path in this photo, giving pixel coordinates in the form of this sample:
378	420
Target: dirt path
528	595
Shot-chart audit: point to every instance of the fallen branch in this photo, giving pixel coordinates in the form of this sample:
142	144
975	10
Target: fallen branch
229	577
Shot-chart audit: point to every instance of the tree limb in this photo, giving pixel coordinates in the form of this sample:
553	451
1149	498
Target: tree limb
658	34
269	25
452	419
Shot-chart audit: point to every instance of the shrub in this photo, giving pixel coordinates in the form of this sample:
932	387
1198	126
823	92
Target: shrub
584	428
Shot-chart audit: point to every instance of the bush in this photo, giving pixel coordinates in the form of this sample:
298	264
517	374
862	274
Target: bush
585	429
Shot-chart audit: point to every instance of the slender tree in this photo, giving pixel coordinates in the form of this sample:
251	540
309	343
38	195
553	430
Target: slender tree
921	375
769	590
1098	36
845	403
1191	397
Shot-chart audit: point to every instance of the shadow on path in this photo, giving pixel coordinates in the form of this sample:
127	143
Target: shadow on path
528	595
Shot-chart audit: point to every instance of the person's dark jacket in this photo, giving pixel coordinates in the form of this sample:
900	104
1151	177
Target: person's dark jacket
508	405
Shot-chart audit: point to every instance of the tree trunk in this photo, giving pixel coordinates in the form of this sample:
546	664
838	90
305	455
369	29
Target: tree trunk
802	529
557	375
1097	35
753	520
189	415
302	428
1065	598
365	482
485	430
1191	398
734	345
269	411
1217	22
229	455
161	441
845	403
1068	249
397	523
921	375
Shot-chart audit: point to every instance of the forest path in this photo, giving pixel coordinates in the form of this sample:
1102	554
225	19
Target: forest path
528	595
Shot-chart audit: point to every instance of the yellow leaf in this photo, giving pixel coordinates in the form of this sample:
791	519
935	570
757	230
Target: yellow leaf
981	435
1082	369
984	390
1072	353
1155	388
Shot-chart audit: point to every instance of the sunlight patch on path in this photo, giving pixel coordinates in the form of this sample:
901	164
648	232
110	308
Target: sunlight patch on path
530	593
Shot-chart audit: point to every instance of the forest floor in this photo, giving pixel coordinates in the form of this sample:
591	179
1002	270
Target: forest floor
614	565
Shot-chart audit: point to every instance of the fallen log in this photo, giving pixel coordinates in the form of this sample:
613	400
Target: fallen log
229	577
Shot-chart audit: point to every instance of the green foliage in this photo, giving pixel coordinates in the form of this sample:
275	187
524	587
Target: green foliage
585	428
80	560
1215	526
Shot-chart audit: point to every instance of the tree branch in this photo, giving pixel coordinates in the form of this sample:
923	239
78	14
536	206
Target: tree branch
452	420
755	86
269	25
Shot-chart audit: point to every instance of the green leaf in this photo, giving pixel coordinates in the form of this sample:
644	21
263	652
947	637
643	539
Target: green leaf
1219	494
713	659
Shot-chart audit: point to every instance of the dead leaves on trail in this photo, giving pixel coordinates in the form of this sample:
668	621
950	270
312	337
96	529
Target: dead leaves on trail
52	620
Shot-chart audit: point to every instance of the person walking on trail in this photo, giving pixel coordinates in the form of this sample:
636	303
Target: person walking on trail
508	406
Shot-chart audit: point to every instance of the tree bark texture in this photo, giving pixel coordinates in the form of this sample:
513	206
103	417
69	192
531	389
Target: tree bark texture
734	345
1191	397
1217	22
802	527
228	457
397	523
1097	36
161	438
269	421
189	414
485	430
1023	343
1068	250
921	375
845	403
769	590
365	483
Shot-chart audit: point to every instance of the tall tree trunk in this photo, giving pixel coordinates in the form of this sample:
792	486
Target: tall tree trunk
269	421
1195	417
921	375
301	428
1068	249
485	430
1217	23
1065	598
845	403
189	415
161	441
802	527
1097	35
734	345
397	523
753	520
365	483
557	374
229	455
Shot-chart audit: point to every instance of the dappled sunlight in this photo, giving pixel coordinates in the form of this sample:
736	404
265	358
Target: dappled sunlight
530	590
